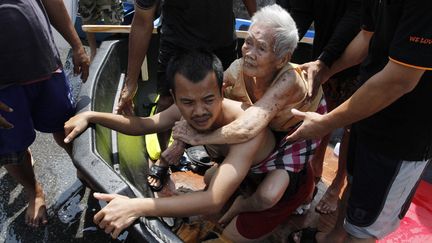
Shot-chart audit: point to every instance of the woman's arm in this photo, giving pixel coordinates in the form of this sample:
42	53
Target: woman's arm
286	91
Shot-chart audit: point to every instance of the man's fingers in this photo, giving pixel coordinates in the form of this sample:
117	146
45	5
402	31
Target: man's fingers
76	68
310	81
71	136
104	223
98	217
298	113
109	228
116	233
104	196
293	137
4	107
5	124
84	72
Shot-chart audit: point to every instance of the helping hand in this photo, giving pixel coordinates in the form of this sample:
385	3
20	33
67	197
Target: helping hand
117	215
317	74
314	126
81	63
182	131
3	122
125	105
75	126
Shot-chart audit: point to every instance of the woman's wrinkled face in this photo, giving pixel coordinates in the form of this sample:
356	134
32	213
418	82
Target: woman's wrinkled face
258	52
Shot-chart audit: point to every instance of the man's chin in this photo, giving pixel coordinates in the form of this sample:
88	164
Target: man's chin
201	129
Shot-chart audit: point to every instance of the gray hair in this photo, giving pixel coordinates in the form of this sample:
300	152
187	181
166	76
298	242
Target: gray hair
283	25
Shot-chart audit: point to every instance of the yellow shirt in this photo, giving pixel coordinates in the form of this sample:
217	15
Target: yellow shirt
284	119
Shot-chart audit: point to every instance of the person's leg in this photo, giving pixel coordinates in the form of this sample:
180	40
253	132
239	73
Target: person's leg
336	92
165	100
52	110
317	160
329	201
91	39
268	193
14	152
22	172
390	191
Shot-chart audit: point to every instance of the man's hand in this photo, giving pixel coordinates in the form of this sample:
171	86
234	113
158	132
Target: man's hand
3	122
75	126
81	62
125	105
317	74
314	126
117	215
182	131
173	153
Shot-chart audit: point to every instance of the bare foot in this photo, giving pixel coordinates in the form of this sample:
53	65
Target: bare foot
329	201
233	211
36	213
153	182
157	175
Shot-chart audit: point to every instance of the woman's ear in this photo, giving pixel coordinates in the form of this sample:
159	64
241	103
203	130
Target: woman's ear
284	60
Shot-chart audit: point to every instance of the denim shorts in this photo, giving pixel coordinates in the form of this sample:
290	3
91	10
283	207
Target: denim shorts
44	106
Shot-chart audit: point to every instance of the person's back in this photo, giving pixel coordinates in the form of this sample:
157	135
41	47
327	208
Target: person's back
197	24
26	40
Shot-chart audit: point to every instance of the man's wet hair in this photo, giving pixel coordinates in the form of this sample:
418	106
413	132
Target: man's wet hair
194	65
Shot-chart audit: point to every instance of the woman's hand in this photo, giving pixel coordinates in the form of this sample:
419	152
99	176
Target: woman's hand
119	214
182	131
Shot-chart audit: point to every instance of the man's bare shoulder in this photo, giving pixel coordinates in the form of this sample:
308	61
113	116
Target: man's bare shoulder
232	108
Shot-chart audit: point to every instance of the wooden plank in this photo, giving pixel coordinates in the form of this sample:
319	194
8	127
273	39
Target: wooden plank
242	34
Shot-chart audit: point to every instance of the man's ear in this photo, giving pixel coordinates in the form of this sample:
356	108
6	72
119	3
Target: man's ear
173	95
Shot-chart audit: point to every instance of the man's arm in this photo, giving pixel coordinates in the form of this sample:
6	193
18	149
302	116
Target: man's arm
354	54
251	6
139	41
61	21
346	29
122	211
302	13
131	125
375	94
284	92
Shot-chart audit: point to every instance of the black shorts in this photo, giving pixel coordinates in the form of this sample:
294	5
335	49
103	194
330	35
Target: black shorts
381	189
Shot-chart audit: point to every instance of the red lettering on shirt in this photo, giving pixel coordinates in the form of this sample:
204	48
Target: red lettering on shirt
420	40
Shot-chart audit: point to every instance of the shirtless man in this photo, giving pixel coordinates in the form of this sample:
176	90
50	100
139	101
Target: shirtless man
196	84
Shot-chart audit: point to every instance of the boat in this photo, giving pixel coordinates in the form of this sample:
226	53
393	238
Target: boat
111	162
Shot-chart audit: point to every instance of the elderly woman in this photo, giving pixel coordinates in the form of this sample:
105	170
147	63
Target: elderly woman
270	86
